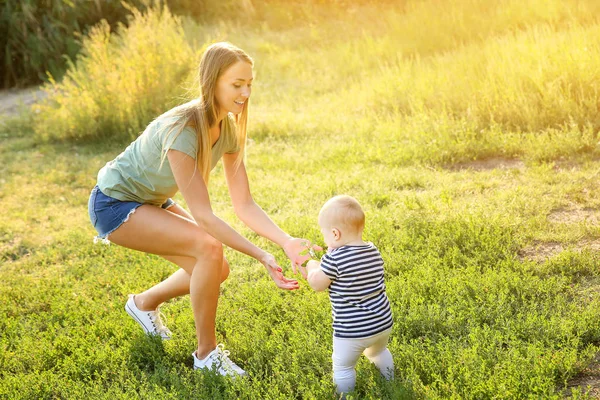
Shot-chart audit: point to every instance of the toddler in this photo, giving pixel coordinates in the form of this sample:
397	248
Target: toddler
352	270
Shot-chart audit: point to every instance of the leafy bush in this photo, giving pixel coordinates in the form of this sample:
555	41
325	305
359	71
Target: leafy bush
39	37
120	81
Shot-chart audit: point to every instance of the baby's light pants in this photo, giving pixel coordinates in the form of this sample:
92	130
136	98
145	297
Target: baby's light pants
346	353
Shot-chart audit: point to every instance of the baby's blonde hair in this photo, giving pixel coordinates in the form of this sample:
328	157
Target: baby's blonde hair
343	212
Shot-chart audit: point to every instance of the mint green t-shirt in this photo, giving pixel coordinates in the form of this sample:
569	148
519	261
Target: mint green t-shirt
136	173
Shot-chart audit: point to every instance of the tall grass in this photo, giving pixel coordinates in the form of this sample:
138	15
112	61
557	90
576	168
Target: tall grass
119	82
39	37
522	72
486	89
531	80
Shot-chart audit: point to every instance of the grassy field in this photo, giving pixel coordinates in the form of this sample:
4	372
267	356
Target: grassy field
468	129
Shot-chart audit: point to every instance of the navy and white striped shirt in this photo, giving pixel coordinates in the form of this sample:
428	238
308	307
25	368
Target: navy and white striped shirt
359	305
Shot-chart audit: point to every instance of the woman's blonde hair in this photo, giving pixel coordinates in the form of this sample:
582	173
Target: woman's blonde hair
202	113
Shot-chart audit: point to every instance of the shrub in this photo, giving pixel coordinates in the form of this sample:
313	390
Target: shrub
119	82
41	36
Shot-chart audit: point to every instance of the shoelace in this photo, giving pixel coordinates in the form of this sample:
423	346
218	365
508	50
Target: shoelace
156	317
224	358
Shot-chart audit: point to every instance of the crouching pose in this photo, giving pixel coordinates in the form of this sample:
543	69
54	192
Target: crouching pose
131	204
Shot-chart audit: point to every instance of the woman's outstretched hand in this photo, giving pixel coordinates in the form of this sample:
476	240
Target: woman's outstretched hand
276	273
297	251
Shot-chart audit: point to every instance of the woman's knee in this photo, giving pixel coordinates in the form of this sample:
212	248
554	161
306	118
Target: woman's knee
208	249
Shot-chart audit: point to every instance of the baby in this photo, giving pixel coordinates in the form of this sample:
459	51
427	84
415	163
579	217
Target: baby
353	272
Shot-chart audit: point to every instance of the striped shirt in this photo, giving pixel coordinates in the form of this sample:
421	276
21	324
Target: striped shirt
359	305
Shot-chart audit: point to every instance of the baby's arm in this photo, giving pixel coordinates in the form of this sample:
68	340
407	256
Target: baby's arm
316	277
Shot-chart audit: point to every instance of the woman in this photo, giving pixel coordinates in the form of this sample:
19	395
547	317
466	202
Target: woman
131	204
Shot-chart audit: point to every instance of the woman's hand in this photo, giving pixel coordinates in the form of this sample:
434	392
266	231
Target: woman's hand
275	271
294	249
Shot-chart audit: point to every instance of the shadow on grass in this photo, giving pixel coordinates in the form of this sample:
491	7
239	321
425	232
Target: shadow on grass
147	354
161	373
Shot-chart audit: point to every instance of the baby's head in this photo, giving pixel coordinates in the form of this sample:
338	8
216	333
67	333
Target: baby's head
342	221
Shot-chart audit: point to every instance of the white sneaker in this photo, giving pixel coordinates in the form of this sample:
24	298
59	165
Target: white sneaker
219	358
149	320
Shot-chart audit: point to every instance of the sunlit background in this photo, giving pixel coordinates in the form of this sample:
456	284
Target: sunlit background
468	129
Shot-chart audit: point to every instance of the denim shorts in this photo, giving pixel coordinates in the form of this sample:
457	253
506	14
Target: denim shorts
108	213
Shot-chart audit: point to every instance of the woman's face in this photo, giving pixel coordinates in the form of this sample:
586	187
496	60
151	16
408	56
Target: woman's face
233	88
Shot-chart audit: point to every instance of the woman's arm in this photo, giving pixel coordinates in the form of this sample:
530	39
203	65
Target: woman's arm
244	206
191	185
256	219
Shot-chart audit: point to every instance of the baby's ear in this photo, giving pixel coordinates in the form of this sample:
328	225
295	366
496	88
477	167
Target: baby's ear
337	234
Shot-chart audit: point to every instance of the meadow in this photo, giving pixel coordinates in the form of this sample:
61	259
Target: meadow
468	130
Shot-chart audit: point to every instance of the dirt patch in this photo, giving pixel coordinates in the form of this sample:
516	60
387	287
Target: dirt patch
542	251
591	244
489	164
576	215
12	99
13	250
565	166
588	380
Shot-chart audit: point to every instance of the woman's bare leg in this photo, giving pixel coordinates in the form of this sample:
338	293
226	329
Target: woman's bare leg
154	230
177	284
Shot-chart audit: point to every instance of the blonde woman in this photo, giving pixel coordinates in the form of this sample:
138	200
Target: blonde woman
131	204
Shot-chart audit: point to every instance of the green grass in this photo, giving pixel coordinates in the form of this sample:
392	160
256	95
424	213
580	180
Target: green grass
339	106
